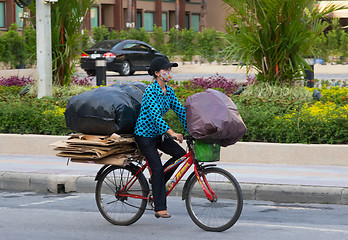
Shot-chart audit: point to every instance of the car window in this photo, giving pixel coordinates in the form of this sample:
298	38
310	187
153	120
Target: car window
143	48
106	44
130	47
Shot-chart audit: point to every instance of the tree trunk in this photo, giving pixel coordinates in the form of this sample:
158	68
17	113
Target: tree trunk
203	17
177	10
130	14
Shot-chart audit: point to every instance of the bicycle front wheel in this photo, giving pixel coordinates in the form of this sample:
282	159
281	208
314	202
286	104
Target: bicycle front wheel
118	204
222	212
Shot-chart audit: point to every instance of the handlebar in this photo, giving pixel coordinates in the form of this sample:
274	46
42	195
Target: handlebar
186	137
189	140
189	137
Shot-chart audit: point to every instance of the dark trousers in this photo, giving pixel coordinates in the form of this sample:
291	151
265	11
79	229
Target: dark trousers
148	147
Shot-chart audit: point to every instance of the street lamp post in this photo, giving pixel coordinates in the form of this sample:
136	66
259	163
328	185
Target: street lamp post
100	65
309	73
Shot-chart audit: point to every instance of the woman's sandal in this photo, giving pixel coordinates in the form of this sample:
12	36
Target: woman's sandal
162	215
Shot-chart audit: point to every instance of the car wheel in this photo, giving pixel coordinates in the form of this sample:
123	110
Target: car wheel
91	73
126	68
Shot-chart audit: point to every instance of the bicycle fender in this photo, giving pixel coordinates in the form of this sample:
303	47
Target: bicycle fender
184	190
100	172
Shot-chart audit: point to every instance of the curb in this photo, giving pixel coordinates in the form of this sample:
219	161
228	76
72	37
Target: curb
57	183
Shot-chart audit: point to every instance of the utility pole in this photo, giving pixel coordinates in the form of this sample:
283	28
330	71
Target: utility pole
44	48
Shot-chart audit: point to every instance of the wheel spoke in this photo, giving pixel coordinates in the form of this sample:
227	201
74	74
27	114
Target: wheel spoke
224	211
111	202
121	209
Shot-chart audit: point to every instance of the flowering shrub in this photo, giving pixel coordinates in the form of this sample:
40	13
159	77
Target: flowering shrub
57	111
290	116
228	86
332	94
317	123
16	81
81	81
332	83
30	115
325	112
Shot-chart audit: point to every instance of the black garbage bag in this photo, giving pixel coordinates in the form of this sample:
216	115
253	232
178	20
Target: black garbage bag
105	110
213	117
132	89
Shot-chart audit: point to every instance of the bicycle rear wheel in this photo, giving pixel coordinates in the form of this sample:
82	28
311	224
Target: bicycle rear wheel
117	206
221	213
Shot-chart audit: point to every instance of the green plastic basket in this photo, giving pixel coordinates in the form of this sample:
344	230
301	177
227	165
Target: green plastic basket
206	152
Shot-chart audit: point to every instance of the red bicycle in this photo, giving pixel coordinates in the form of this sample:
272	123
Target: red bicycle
213	196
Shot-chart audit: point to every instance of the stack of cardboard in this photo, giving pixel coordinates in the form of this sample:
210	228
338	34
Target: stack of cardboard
114	149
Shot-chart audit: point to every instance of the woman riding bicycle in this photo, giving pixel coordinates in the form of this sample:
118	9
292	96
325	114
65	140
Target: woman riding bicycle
151	129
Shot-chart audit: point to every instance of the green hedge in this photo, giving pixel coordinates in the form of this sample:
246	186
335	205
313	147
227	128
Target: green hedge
285	119
25	115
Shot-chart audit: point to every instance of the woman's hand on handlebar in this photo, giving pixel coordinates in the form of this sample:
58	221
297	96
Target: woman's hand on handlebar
177	136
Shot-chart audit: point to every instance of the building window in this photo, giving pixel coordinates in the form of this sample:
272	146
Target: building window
164	21
187	21
19	16
94	17
2	14
195	22
139	20
148	21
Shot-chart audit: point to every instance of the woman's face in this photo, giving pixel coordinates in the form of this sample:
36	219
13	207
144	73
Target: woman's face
165	74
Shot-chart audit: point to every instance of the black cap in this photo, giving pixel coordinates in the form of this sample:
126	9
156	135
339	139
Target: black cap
160	63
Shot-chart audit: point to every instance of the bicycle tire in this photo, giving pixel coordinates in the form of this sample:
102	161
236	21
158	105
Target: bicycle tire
218	215
120	210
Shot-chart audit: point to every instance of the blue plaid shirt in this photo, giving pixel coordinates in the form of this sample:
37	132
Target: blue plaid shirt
155	103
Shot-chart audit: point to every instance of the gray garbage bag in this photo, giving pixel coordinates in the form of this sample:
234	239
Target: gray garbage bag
105	110
213	117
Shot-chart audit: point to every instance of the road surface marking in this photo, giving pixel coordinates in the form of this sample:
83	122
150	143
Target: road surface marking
48	201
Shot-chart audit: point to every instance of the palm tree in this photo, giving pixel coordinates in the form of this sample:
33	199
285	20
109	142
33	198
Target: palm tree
274	36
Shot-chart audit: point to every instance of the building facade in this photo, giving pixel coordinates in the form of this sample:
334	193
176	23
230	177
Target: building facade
10	13
123	14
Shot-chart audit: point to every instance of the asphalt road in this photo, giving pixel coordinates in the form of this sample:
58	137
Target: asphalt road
112	77
28	215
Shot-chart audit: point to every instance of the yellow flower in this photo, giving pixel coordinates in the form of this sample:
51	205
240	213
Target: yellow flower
57	111
326	111
319	111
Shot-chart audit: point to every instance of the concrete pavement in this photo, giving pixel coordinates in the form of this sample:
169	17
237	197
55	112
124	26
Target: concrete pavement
27	163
